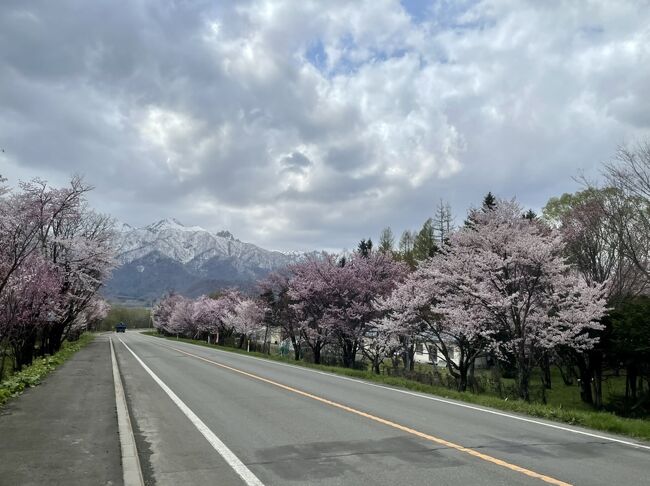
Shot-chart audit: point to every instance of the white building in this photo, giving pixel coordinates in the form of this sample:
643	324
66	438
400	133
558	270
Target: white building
428	353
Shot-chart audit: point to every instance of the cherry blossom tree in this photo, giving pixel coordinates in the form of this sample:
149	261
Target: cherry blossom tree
380	342
96	311
361	281
162	312
274	292
507	276
181	320
308	292
334	298
246	319
428	309
209	313
52	231
29	305
80	243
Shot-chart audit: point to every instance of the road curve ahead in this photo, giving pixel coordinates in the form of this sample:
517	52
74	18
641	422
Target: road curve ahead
205	416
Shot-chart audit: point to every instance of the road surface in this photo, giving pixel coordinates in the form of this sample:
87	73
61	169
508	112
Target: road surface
205	416
64	431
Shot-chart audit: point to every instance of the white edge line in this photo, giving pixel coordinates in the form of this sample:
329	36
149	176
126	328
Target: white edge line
233	461
131	470
442	400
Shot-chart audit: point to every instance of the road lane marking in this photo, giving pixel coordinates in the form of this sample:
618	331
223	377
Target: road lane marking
403	428
233	461
131	470
443	400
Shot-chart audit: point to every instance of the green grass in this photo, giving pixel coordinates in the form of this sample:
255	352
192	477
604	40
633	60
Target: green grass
32	375
562	406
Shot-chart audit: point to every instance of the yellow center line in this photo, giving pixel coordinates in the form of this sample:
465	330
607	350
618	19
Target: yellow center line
403	428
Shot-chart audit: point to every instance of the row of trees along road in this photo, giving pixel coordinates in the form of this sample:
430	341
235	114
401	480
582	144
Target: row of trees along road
55	252
567	289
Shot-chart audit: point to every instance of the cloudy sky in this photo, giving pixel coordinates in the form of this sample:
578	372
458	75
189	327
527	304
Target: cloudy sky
310	124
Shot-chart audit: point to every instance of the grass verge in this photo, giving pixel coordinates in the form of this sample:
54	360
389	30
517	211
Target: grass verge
603	421
32	375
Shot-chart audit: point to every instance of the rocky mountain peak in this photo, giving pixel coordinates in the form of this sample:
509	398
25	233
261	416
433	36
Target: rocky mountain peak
167	255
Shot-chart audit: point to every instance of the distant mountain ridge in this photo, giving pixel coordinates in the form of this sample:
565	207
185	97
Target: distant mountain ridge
190	260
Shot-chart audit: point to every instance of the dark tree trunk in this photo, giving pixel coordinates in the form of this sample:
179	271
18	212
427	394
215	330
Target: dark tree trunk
24	351
462	378
471	381
375	366
316	350
523	376
631	382
546	371
585	381
596	369
349	352
408	357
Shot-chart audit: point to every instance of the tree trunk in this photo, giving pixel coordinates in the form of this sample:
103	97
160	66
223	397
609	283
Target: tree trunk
349	353
266	335
585	381
545	365
596	369
55	337
630	388
462	378
470	379
566	374
523	376
316	350
375	366
296	348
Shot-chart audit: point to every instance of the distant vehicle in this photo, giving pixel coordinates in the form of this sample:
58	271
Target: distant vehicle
121	327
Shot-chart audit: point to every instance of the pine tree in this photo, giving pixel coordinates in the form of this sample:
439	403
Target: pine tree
530	215
489	202
365	248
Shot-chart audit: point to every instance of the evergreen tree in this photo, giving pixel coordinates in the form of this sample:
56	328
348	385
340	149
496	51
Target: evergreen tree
530	215
424	245
489	202
365	248
386	240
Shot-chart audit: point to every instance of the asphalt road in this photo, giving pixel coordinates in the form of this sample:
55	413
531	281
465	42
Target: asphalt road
205	416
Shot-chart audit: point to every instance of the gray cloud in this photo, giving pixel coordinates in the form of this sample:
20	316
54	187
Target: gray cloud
296	162
313	124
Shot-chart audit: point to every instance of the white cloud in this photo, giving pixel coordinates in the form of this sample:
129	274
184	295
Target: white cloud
313	124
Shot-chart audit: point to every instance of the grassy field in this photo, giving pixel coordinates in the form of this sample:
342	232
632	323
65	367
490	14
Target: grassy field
563	403
32	375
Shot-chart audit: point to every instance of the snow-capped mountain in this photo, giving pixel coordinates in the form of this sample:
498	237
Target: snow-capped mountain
168	255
